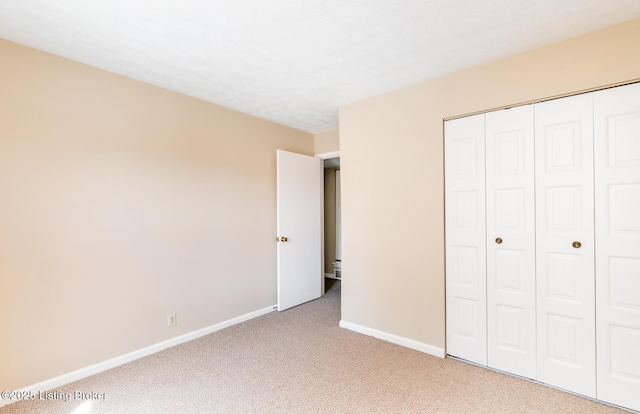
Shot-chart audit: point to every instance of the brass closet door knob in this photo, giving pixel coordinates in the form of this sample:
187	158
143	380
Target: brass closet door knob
498	240
284	239
577	244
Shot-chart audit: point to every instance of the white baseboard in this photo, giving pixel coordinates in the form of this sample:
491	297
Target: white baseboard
132	356
395	339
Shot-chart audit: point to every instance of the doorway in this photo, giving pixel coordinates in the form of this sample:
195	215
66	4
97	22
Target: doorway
332	222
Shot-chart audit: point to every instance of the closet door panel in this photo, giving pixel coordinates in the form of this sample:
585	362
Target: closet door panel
564	271
617	179
465	238
511	318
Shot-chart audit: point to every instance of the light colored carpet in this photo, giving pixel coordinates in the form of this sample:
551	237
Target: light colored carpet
300	361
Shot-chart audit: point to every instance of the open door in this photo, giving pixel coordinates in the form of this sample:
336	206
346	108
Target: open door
299	221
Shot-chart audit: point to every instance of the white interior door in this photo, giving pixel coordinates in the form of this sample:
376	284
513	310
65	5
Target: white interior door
299	222
617	178
511	295
465	239
564	269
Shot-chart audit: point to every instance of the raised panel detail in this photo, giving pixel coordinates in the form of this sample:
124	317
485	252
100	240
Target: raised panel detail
465	210
624	280
510	270
465	156
465	262
563	336
563	147
509	210
624	208
510	324
624	143
624	351
564	209
466	322
509	156
563	273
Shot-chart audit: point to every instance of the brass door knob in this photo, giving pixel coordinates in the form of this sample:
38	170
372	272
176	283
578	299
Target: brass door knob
284	239
576	244
498	240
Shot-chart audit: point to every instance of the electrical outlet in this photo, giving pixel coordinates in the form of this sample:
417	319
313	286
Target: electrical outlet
172	320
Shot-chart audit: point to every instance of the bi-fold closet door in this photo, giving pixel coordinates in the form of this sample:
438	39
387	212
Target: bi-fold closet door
617	193
510	212
523	189
465	261
540	264
519	191
565	276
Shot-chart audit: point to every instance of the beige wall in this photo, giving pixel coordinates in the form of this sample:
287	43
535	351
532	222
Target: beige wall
328	141
393	246
121	203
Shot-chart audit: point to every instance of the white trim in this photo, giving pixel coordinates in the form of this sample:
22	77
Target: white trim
395	339
132	356
328	155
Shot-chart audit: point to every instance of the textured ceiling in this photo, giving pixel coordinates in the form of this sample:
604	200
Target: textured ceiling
295	62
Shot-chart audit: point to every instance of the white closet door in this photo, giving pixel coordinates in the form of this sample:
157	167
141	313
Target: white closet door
511	300
564	271
617	177
465	239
